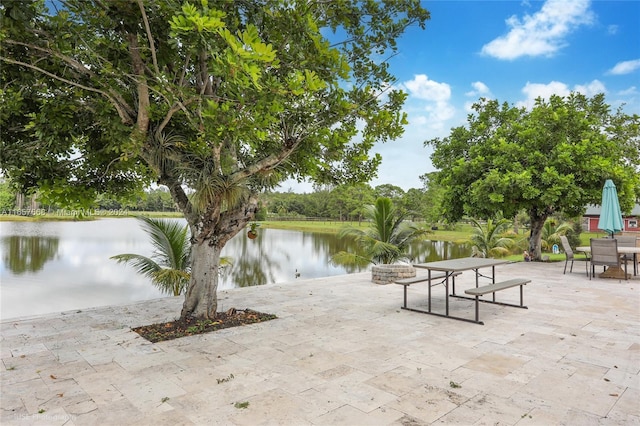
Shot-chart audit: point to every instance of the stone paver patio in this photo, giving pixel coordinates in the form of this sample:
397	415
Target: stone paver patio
340	353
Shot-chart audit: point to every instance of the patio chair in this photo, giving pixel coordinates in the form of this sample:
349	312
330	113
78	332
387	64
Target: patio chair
604	252
629	241
568	251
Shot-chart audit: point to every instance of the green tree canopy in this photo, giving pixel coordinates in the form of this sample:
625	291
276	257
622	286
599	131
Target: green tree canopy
222	98
552	158
349	202
433	195
393	192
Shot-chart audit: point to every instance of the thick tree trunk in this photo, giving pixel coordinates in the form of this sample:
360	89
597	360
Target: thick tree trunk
535	240
210	231
201	299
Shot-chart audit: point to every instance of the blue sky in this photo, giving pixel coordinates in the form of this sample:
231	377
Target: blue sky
513	51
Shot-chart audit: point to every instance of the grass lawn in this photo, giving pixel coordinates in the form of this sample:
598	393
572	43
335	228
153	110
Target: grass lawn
460	234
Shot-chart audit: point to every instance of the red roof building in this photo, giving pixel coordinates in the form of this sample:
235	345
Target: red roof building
591	217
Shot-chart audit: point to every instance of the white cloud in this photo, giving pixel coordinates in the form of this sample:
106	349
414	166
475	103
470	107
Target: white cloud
423	88
625	67
468	107
479	90
545	91
404	160
542	33
590	89
429	100
612	29
430	115
629	92
628	99
539	90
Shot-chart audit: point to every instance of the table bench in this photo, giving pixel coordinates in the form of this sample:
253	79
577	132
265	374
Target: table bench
406	282
492	288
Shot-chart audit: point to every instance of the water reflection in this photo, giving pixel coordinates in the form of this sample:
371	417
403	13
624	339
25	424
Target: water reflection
431	251
279	255
28	254
59	266
79	275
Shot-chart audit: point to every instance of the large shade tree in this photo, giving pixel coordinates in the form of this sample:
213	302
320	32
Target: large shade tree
216	100
554	157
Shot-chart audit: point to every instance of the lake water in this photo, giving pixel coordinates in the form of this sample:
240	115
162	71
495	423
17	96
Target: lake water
60	266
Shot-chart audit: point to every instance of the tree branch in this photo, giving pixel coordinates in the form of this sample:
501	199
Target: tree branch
143	119
150	37
232	221
117	100
66	59
273	160
120	108
183	71
172	110
180	197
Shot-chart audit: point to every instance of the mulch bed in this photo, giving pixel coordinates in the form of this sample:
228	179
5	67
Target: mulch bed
190	327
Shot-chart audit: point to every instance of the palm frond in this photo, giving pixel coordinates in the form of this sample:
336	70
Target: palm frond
171	281
382	214
551	233
476	252
489	240
351	231
496	252
210	185
164	151
170	265
387	238
382	252
345	258
169	239
408	233
143	265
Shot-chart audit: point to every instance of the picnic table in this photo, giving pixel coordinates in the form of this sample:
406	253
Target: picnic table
452	267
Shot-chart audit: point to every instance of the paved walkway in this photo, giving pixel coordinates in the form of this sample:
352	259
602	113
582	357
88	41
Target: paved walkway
340	353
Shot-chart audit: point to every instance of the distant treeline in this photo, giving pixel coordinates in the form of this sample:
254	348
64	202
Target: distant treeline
344	203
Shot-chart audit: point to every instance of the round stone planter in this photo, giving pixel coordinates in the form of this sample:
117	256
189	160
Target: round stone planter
385	274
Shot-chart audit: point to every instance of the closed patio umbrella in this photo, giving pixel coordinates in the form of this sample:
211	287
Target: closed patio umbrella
610	214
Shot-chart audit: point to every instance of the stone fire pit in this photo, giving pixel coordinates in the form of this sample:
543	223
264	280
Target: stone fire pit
385	274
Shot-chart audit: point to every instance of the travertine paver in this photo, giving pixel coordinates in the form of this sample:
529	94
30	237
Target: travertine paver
341	352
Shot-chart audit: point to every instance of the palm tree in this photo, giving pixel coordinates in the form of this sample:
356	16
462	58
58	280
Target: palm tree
551	233
169	268
386	240
489	241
